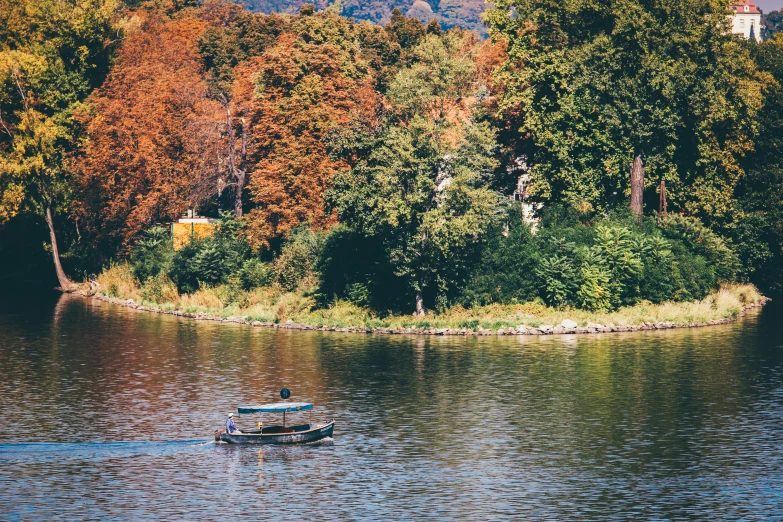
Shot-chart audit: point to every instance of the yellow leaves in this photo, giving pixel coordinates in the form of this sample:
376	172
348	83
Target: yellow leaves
11	199
20	69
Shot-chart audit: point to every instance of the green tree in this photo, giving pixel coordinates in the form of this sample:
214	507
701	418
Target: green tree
598	86
420	184
52	55
758	229
772	23
427	200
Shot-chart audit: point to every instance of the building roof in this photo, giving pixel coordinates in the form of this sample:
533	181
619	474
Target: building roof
739	8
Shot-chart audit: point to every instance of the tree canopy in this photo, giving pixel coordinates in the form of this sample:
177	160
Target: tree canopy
152	133
423	189
52	54
596	85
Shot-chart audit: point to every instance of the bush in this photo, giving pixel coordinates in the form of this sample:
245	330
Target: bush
702	241
353	268
210	261
596	289
558	280
506	271
255	274
694	277
159	289
152	255
601	263
119	281
297	261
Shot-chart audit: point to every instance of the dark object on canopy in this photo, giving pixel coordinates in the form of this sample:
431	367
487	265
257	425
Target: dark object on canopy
278	407
285	393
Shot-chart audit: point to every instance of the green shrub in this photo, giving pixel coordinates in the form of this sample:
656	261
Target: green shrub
212	260
353	267
296	263
506	271
359	294
695	278
255	274
559	280
595	289
231	293
153	253
601	263
702	241
470	324
159	289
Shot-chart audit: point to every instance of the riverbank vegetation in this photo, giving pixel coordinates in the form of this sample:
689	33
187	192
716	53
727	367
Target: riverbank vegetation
582	160
273	304
576	267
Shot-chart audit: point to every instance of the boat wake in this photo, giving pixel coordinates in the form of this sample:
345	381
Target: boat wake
58	451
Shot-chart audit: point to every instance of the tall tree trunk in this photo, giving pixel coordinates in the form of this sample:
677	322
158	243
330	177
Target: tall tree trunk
65	283
237	172
241	172
419	304
637	187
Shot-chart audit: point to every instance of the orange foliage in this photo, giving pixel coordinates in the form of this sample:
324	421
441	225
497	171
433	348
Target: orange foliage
292	96
489	56
153	133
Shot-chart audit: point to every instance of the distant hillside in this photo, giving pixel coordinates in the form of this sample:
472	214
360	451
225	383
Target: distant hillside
449	13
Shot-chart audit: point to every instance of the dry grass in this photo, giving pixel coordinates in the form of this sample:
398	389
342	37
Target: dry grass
274	304
119	281
204	299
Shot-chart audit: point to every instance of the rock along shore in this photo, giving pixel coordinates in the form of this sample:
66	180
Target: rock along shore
565	327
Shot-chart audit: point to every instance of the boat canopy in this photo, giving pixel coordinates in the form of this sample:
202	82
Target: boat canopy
278	407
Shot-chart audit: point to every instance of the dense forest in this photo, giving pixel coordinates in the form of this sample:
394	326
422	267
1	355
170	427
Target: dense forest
394	165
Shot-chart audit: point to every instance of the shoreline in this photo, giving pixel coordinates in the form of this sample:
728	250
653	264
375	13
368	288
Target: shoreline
561	329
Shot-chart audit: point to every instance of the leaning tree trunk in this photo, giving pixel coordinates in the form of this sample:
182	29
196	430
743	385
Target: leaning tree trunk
65	283
637	187
419	305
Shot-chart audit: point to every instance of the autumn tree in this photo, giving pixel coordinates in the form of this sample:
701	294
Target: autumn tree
52	55
658	84
233	36
154	143
293	95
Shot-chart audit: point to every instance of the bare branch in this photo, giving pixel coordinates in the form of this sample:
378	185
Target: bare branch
5	127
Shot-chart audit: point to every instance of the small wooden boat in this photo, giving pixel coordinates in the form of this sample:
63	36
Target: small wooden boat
298	434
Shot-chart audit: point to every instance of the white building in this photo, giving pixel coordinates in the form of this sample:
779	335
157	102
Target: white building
747	20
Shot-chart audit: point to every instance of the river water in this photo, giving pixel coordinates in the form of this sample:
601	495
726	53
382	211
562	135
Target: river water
108	413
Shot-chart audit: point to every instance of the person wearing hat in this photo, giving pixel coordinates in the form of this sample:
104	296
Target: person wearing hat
230	424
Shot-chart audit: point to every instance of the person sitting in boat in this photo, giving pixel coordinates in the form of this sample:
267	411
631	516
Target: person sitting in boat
230	424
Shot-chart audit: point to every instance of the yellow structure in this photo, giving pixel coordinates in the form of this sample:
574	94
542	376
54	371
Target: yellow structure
187	229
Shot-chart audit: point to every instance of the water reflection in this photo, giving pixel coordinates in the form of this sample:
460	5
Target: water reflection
670	424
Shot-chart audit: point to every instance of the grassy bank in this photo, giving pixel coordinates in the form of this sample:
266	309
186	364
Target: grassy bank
272	304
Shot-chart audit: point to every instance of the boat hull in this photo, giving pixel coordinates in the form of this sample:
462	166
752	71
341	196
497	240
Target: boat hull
301	437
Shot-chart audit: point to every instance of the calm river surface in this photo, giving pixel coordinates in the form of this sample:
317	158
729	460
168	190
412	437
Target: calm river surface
108	413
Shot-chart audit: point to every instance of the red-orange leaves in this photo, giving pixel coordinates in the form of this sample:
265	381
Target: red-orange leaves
152	131
292	95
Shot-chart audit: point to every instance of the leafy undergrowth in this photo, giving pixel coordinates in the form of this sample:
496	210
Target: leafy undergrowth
274	304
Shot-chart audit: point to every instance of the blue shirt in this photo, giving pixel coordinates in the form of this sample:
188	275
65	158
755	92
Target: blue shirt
230	425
